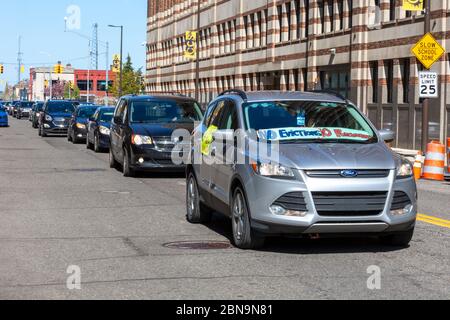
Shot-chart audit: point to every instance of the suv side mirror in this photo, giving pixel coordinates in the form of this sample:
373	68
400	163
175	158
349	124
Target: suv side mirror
388	136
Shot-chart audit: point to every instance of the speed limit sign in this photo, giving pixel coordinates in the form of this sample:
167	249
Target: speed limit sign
428	85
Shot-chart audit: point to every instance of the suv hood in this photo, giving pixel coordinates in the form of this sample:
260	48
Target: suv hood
160	130
337	156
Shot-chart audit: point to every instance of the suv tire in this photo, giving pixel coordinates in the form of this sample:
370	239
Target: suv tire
196	211
127	170
399	239
112	160
243	235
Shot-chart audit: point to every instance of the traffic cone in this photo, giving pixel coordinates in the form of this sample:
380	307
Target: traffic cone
418	166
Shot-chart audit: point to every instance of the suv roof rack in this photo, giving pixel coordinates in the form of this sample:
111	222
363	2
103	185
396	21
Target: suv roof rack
334	93
240	93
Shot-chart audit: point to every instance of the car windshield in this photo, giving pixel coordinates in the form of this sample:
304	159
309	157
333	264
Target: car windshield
308	121
27	104
61	107
2	108
86	112
165	112
39	106
106	116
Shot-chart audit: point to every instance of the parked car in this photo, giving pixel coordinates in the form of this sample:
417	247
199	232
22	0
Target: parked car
78	123
3	117
141	131
98	129
24	109
55	117
14	108
334	174
38	107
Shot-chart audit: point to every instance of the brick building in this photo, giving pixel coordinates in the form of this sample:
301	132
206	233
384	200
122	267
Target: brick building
360	48
97	83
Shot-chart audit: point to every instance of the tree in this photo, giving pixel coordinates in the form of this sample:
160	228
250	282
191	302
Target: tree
71	93
132	80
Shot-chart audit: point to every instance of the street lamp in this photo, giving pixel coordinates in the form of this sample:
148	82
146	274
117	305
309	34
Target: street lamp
121	57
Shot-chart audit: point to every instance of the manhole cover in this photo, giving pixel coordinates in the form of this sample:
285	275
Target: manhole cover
199	245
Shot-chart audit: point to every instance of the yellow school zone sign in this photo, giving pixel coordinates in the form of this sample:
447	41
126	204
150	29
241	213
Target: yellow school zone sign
413	5
428	50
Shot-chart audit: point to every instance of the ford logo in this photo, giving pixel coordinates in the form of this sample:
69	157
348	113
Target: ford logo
349	173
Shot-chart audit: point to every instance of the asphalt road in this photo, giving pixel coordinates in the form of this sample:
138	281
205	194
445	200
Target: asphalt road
61	206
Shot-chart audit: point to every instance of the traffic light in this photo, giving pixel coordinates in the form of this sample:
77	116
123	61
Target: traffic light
58	69
2	69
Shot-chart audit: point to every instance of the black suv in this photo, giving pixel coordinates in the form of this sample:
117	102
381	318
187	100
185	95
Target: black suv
78	123
55	117
24	109
142	128
35	112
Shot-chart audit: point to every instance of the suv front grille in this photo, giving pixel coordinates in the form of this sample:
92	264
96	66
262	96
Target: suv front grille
349	204
334	174
164	143
294	201
400	201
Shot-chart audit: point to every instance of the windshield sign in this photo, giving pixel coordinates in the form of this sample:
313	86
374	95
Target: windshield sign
307	121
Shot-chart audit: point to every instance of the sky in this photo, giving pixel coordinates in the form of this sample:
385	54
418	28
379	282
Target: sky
41	25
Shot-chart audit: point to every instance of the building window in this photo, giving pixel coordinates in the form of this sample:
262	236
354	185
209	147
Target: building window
336	81
389	67
101	85
83	86
321	5
374	78
392	9
406	65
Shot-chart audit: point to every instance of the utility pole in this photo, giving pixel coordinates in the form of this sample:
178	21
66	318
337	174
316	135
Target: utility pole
197	63
94	50
19	62
107	72
426	101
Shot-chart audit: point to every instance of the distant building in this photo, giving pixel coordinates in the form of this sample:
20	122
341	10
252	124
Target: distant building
97	83
41	76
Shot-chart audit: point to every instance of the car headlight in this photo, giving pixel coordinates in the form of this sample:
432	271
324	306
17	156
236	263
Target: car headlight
141	140
81	126
48	118
272	170
405	170
104	130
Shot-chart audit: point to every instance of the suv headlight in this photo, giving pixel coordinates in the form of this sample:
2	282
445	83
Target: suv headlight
81	126
272	170
48	118
405	170
104	130
141	140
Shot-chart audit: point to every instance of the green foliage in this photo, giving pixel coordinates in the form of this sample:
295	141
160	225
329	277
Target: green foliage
71	93
133	80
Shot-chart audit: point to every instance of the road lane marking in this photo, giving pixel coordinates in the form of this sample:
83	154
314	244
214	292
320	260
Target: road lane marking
433	220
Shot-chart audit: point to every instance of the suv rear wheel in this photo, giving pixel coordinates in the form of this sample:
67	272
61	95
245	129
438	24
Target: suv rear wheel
243	235
112	160
196	212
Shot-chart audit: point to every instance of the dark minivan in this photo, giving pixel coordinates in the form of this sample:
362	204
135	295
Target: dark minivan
142	128
55	117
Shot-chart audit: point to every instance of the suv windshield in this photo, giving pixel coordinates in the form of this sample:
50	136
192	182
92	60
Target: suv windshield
86	112
308	121
60	107
26	104
164	112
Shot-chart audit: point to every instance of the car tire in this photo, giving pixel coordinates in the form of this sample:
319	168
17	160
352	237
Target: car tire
97	148
43	134
74	138
243	235
88	143
128	172
39	131
402	239
196	211
112	160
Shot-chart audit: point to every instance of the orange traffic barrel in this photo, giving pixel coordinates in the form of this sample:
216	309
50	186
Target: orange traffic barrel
434	161
448	155
418	166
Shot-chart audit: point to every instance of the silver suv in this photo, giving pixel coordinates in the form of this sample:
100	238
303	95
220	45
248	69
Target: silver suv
331	173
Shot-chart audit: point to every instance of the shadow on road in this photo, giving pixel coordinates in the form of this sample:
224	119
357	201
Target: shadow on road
160	175
222	226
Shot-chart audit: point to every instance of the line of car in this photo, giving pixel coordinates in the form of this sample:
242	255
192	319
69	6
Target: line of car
335	174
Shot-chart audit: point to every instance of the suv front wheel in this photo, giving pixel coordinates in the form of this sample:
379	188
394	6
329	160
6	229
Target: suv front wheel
243	235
